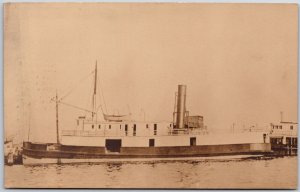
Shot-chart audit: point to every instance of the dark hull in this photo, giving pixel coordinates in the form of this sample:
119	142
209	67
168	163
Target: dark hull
39	151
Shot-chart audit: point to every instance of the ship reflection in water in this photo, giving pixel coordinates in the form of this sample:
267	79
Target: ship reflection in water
199	173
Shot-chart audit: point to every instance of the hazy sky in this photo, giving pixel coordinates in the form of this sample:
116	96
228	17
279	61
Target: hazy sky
239	62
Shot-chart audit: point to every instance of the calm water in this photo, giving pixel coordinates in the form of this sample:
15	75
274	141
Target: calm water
232	173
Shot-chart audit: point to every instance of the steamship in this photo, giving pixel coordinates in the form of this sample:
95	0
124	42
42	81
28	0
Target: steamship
118	137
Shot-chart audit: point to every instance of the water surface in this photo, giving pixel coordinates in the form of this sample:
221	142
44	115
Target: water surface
229	173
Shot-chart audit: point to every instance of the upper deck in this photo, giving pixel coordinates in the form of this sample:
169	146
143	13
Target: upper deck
284	129
128	128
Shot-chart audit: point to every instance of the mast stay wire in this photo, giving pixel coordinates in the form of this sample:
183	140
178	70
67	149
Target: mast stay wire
101	90
88	99
70	91
75	86
100	106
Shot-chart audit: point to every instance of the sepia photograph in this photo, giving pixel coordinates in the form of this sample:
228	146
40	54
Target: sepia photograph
151	95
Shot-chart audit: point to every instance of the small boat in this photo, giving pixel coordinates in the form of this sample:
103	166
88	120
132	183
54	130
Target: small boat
12	153
116	118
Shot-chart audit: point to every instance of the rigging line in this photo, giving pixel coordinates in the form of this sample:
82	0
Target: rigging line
101	90
101	99
88	99
73	87
100	106
104	102
67	104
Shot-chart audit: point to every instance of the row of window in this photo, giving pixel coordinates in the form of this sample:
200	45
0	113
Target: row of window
126	126
280	127
99	126
276	126
134	128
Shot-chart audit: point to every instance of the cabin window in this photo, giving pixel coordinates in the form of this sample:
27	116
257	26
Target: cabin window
151	142
134	129
109	126
155	129
99	126
120	126
192	141
126	129
147	126
291	127
92	126
280	127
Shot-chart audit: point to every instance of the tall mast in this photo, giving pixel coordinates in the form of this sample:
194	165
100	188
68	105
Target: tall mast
57	130
95	92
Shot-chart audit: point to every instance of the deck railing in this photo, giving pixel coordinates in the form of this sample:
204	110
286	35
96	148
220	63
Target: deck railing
119	133
284	133
169	132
